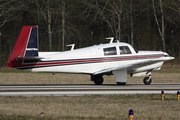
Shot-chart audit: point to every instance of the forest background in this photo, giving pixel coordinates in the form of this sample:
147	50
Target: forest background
145	24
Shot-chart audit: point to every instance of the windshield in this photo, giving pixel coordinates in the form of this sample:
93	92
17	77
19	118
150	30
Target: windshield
135	50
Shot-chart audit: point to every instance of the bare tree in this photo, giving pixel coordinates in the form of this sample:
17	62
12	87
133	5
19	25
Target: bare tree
111	12
63	23
44	8
10	10
49	12
56	16
117	10
4	9
161	28
132	28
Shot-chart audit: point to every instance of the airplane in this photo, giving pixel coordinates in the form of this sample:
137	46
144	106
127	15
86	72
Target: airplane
113	58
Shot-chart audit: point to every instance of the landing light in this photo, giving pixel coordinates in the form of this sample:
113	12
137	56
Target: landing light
162	94
130	114
178	94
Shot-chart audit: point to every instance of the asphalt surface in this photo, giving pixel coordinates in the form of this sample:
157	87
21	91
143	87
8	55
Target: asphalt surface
84	89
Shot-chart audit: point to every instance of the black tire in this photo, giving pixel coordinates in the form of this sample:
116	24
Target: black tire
147	81
121	83
98	80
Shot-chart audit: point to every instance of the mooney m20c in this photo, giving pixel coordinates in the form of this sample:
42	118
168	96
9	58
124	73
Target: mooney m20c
115	58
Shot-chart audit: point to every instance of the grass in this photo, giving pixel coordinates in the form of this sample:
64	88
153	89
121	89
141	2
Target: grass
91	107
13	76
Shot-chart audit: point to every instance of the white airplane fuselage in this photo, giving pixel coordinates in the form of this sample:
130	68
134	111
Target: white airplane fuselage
117	59
91	59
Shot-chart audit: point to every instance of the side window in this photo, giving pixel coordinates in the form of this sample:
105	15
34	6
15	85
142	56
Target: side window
110	51
124	50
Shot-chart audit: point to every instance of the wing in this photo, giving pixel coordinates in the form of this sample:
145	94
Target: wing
134	65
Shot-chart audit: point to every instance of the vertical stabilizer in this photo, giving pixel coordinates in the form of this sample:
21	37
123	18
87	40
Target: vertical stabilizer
26	45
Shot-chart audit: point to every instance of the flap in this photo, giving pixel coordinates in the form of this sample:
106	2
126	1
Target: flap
131	66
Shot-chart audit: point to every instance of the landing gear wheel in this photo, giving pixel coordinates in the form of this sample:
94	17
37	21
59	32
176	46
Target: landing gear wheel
98	80
147	80
121	83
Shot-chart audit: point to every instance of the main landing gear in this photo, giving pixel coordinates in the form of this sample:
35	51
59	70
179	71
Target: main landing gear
98	79
147	80
121	83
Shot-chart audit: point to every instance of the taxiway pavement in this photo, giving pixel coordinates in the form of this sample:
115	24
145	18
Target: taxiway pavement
84	89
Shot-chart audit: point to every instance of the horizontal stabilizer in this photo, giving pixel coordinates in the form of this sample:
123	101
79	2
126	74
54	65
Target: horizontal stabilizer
29	58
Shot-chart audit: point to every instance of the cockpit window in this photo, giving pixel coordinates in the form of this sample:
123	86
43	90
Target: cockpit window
110	51
135	50
124	50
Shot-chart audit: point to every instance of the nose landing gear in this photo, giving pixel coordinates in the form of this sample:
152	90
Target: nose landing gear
147	80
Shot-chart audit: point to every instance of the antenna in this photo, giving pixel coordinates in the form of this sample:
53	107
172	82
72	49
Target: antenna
112	38
72	46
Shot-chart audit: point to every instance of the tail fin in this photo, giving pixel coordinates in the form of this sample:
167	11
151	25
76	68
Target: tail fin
32	46
26	46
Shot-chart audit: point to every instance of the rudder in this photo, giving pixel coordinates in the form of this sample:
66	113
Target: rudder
32	46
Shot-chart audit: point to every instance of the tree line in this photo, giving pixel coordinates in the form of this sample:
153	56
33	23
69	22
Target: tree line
145	24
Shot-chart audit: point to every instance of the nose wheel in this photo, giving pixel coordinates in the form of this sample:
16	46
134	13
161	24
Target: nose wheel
147	80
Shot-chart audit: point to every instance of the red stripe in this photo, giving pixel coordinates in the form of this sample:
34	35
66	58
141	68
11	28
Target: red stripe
150	56
79	61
